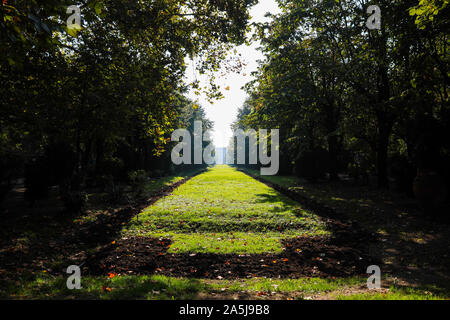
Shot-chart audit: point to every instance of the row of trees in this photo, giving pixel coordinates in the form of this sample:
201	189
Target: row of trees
350	99
81	102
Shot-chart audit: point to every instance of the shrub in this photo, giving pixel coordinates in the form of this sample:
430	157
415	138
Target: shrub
430	190
5	187
8	170
113	188
74	198
36	180
157	173
113	167
138	180
403	172
285	164
313	165
360	168
74	201
61	160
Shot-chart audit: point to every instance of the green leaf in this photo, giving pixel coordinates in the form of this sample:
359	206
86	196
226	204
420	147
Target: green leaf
98	8
74	29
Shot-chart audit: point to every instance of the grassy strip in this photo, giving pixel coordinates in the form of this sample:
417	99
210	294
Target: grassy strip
166	288
225	211
156	185
371	210
396	293
97	201
356	205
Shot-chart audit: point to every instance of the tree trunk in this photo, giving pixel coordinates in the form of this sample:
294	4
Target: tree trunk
331	125
382	151
385	119
333	151
385	123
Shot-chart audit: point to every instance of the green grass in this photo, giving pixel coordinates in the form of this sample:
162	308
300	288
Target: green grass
396	293
220	211
157	287
226	242
225	211
156	184
285	181
303	285
98	201
121	287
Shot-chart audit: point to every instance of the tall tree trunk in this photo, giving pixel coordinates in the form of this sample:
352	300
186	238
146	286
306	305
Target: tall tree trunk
333	151
385	119
382	155
331	125
100	155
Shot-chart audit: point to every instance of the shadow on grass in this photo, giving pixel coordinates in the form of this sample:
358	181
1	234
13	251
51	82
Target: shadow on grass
273	197
123	287
413	246
47	238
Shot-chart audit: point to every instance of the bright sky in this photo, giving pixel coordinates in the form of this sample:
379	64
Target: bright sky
223	112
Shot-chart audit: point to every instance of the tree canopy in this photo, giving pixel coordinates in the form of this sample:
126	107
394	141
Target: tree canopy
364	96
114	81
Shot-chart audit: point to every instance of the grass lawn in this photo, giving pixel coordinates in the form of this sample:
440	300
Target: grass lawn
221	211
225	211
415	245
156	287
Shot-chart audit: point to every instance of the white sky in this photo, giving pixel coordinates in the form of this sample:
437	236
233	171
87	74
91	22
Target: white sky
223	112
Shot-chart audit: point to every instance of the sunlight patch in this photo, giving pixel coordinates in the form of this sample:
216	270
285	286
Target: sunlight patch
223	243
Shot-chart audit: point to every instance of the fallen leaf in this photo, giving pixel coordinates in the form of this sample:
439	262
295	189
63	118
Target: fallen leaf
106	289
